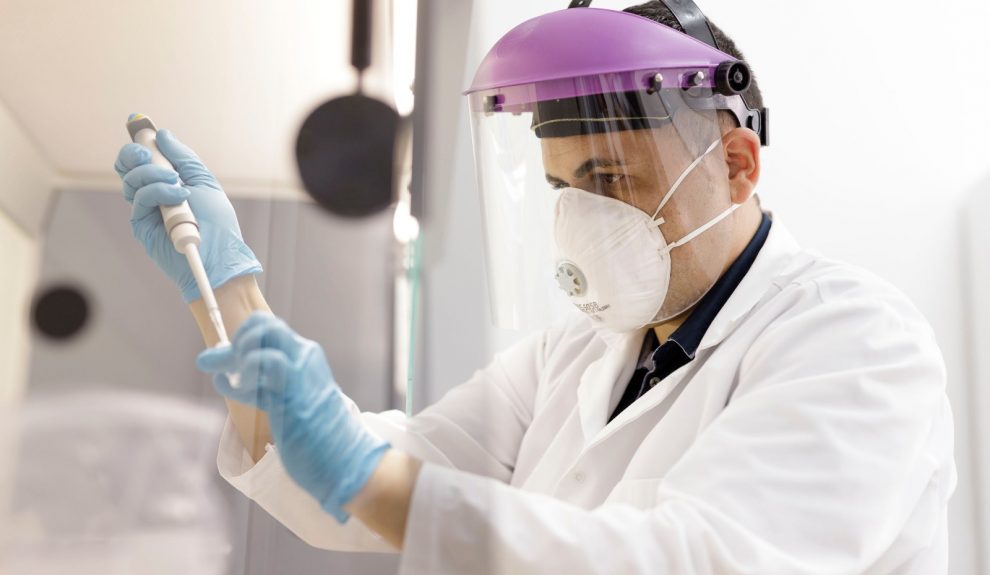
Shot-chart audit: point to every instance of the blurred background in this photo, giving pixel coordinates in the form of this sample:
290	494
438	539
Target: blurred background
876	158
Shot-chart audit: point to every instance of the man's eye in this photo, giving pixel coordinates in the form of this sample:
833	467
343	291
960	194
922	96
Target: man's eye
609	179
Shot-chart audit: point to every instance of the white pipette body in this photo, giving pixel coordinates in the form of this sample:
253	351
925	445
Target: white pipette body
182	229
199	273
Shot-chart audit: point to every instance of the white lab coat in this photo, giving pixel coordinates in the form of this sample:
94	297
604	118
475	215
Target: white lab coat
810	435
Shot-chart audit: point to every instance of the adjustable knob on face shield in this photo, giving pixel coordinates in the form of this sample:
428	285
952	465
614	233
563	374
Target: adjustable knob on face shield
732	78
570	279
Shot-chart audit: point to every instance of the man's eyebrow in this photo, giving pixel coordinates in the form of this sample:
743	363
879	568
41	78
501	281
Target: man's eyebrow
593	163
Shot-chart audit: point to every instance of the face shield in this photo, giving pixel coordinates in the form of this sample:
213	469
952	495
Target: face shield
602	196
597	138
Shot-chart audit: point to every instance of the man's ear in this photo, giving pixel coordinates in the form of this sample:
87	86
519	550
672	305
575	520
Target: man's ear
742	155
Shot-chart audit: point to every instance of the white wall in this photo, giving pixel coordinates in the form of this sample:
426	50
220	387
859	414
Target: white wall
233	78
877	141
25	175
25	188
976	287
19	257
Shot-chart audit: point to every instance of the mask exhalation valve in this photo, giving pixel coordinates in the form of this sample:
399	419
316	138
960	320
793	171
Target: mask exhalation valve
570	279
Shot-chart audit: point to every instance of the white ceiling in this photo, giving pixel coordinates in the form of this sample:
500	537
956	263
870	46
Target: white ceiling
232	78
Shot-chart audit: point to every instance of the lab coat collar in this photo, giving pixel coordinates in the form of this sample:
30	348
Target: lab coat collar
778	251
599	381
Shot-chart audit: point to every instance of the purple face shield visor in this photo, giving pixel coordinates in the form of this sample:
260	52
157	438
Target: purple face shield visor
556	66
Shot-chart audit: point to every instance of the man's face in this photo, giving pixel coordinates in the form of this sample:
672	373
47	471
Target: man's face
638	167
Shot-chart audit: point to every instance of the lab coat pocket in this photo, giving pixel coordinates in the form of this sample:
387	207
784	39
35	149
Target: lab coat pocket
641	493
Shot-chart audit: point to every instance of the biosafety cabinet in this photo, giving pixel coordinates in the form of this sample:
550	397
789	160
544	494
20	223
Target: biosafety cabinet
114	431
134	349
111	432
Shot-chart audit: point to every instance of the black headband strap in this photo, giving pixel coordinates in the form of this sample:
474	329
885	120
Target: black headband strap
687	14
692	20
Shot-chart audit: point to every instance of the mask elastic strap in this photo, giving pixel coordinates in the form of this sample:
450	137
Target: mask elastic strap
687	171
704	228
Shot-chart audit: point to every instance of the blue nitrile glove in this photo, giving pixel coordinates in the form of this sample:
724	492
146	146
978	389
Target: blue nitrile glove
324	447
147	186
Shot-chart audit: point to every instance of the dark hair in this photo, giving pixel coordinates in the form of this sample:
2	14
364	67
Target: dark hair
658	12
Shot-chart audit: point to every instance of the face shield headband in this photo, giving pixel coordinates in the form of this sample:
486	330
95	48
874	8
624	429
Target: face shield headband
633	110
731	78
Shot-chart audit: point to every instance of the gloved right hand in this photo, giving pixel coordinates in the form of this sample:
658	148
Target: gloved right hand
325	447
147	186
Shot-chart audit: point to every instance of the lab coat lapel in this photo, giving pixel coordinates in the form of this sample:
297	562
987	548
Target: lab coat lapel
776	255
671	384
598	381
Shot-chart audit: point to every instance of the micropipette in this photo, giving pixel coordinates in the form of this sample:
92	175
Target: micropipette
182	229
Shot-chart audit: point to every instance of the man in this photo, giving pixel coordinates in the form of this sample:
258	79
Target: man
721	401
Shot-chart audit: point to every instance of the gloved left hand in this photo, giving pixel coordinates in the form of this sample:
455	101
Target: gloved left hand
324	447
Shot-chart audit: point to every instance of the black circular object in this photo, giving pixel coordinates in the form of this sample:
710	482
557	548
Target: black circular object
732	78
60	312
345	155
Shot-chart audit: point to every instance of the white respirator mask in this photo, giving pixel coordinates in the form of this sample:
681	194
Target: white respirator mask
612	259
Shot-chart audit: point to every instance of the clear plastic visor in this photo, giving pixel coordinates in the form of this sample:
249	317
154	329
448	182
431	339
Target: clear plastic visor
552	175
